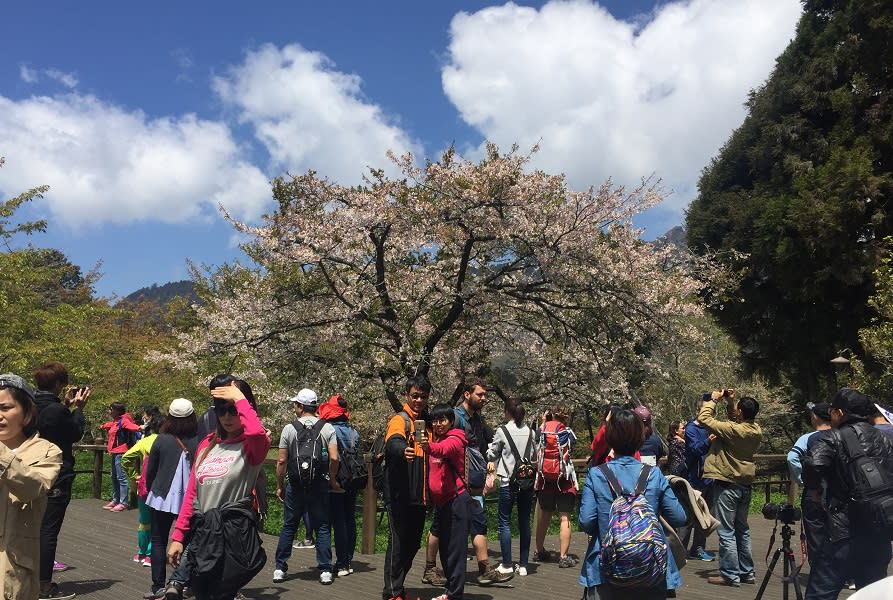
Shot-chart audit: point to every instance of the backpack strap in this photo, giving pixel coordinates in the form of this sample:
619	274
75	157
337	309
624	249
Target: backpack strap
613	484
643	480
405	416
513	447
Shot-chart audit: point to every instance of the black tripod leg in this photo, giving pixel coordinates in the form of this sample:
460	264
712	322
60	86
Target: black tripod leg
768	574
793	574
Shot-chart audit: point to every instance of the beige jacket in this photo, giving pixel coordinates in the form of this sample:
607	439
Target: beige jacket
731	454
26	476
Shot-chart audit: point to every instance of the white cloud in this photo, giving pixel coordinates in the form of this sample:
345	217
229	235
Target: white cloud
308	115
30	75
105	164
69	80
612	98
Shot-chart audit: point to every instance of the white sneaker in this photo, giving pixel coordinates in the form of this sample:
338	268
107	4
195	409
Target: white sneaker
278	575
521	570
325	577
344	571
504	569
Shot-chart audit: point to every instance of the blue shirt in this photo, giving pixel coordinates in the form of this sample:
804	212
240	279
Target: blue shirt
697	445
595	506
795	454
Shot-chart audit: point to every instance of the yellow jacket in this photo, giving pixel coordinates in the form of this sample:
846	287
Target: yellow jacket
731	454
26	476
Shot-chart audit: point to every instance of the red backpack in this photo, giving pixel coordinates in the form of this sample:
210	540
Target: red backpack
553	456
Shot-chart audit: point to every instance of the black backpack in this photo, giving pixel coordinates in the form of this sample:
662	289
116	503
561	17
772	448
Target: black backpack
304	468
871	487
379	467
524	475
352	472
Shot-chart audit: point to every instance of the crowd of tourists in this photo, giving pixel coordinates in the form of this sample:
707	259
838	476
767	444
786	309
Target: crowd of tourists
648	503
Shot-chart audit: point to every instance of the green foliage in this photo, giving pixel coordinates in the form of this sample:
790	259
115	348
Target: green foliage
801	190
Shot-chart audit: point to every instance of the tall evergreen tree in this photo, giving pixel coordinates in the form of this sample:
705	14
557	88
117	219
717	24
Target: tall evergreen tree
802	190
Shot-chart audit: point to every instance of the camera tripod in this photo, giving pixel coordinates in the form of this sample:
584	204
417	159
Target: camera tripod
790	568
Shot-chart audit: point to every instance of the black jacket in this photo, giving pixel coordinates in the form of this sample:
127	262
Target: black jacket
225	551
826	463
163	460
61	426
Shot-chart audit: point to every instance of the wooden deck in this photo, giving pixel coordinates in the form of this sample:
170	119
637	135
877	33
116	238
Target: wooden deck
98	546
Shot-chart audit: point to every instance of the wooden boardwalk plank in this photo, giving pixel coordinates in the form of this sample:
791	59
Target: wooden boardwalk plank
99	546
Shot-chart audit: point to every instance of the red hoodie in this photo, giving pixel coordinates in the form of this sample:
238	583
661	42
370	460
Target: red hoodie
112	426
446	462
600	448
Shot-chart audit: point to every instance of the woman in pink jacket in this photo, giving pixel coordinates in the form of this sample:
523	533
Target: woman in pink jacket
122	434
454	507
218	501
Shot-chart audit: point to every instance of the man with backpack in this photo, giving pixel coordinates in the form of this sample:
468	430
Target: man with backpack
479	436
556	483
308	453
731	466
352	476
854	462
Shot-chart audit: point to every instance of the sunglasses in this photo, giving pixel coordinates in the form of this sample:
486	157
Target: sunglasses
226	409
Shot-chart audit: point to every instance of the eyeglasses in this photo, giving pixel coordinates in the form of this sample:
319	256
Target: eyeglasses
418	396
226	409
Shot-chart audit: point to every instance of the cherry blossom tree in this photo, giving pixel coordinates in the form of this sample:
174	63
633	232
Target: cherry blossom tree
453	268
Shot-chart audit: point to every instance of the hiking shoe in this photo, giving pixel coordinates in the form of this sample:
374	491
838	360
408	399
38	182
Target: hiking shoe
303	544
701	554
58	567
434	576
326	578
173	591
521	570
240	596
157	594
720	580
491	576
543	556
54	593
566	561
278	576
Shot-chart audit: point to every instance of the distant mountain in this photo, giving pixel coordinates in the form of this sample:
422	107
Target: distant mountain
675	238
163	294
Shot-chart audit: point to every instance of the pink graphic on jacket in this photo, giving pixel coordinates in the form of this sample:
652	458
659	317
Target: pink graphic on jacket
214	467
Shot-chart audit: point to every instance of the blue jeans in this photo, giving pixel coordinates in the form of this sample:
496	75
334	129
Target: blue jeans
315	501
508	496
343	509
119	480
730	506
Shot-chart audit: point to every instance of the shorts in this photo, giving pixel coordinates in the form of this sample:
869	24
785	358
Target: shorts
549	501
478	521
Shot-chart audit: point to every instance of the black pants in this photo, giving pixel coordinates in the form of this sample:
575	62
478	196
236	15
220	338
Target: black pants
862	559
454	525
815	525
161	529
405	527
609	592
57	503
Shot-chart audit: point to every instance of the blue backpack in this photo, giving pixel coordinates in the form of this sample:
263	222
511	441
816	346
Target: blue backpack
634	550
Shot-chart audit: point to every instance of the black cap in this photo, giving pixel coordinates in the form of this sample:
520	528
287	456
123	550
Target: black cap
706	396
852	401
822	410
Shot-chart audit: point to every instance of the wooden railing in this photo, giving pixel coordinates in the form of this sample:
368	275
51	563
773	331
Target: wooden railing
371	507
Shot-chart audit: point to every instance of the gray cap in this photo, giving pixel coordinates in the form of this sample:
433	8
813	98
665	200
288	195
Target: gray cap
9	380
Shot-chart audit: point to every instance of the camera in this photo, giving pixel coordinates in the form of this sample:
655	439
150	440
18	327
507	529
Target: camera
786	513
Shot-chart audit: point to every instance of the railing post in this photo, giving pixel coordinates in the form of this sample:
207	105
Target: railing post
370	513
98	453
793	491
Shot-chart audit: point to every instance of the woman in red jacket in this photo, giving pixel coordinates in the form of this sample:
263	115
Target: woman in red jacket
122	434
454	507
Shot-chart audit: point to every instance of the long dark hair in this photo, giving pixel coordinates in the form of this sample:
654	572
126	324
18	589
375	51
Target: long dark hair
671	431
516	410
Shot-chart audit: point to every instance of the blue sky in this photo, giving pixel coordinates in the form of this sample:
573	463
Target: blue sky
142	117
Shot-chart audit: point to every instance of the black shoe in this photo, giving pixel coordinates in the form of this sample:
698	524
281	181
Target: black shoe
173	591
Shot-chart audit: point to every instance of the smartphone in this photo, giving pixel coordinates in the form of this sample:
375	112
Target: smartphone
420	429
